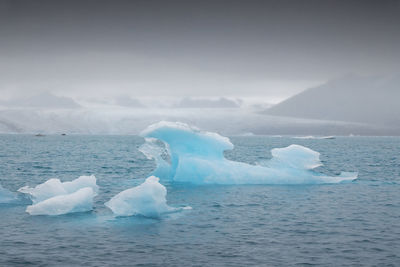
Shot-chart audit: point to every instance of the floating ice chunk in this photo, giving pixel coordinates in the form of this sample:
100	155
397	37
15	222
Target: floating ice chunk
6	196
54	187
79	201
295	156
197	157
54	197
147	199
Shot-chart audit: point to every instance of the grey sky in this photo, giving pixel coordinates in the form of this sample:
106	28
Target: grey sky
270	49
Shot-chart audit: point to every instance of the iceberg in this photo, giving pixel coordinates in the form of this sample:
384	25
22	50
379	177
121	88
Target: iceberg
6	196
147	199
197	157
156	150
54	197
79	201
54	187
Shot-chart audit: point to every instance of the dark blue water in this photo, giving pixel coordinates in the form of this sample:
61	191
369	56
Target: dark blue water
325	225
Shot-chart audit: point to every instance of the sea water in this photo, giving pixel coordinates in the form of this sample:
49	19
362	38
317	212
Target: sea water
355	223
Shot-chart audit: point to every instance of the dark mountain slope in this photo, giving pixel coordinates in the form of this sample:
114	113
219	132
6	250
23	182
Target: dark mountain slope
352	98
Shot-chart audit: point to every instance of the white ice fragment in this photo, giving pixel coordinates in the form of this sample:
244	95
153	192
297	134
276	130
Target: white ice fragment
296	156
79	201
54	187
147	199
54	197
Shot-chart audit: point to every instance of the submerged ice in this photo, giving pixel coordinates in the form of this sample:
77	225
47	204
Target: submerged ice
147	199
197	156
55	197
6	196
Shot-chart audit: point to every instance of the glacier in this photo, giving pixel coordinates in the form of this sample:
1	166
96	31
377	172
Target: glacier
147	199
6	196
314	137
197	157
54	197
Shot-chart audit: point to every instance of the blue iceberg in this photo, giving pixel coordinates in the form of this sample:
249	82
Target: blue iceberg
54	197
197	157
147	199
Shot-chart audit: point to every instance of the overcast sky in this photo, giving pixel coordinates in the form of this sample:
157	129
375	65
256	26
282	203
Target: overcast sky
268	49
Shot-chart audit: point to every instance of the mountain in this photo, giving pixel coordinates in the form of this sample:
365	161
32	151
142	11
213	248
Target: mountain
371	100
43	100
222	102
127	101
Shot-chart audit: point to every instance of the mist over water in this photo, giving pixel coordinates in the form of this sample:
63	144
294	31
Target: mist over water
85	67
309	113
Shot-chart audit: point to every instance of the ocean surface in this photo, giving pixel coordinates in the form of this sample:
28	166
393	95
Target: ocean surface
350	224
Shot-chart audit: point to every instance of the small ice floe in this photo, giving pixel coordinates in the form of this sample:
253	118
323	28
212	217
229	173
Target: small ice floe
79	201
56	198
148	199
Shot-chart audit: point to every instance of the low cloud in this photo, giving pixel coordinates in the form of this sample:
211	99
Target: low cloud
127	101
43	100
222	102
